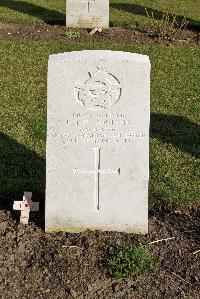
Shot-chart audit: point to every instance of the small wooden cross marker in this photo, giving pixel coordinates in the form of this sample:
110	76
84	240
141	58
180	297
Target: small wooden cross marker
25	207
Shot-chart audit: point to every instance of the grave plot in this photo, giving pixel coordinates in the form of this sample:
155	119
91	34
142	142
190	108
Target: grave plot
97	123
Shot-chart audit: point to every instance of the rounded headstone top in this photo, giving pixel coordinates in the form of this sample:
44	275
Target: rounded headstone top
99	54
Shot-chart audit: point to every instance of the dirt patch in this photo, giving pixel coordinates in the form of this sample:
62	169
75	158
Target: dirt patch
126	35
60	265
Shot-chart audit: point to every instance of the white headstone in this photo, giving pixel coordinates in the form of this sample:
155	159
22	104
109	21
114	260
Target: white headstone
98	142
87	13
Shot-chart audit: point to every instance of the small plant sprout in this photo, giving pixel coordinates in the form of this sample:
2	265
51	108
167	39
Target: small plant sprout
168	28
72	34
130	261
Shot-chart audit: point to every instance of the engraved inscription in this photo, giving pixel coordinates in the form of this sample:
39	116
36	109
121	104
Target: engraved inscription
96	172
99	128
88	2
101	91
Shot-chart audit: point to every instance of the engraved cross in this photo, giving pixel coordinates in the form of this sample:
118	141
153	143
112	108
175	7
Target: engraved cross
88	2
96	172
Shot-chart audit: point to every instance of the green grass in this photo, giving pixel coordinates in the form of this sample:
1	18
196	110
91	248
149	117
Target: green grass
175	121
121	12
32	11
128	261
133	11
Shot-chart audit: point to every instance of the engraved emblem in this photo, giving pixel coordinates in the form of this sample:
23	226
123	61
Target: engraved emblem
100	91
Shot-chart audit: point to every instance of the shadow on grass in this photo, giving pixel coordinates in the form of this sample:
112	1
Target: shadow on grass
178	131
140	10
20	170
51	17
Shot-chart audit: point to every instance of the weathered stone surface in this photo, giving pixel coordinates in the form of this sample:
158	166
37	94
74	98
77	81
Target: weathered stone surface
87	13
98	142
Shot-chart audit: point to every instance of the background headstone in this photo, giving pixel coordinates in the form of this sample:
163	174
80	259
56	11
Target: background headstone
98	142
87	13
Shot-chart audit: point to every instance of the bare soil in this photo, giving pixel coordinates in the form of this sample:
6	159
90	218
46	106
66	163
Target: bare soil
60	265
123	35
